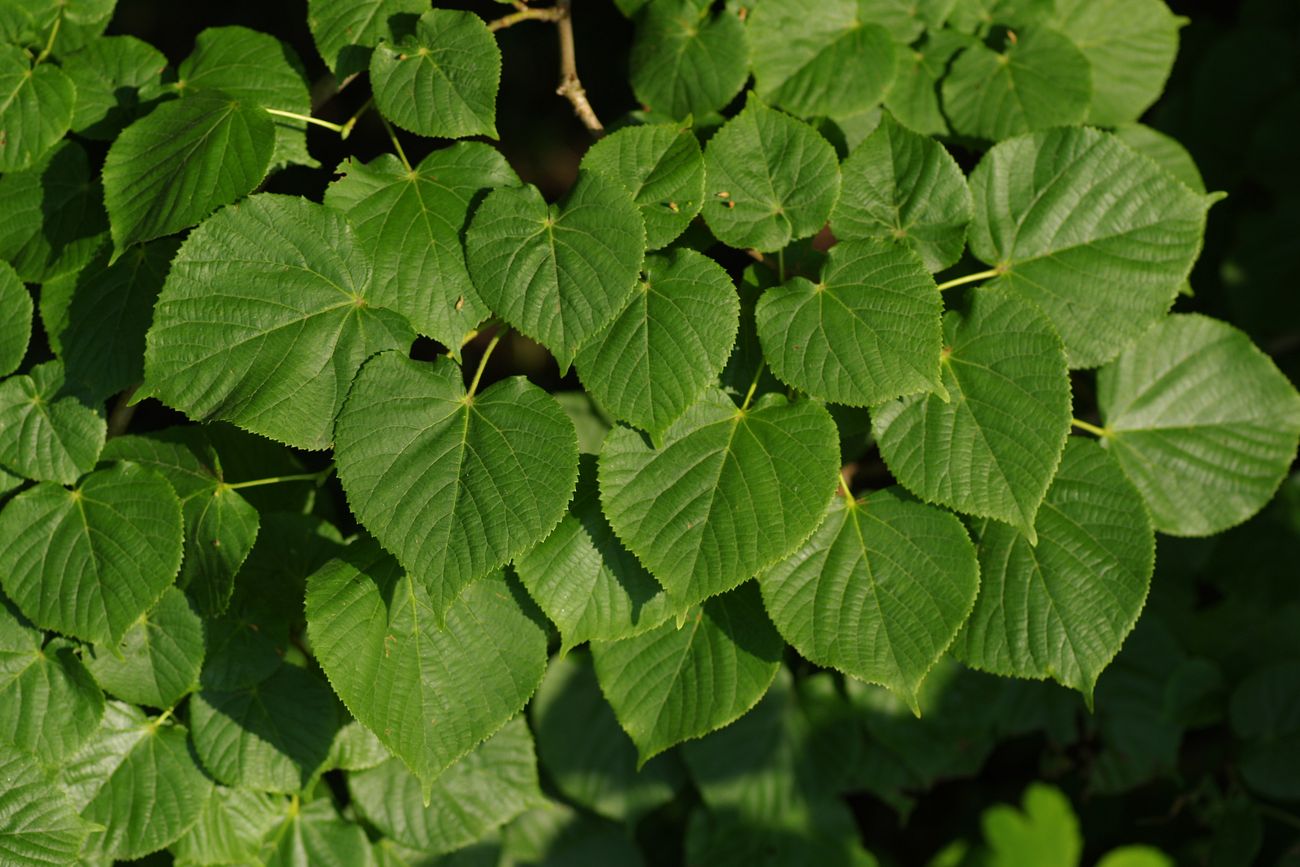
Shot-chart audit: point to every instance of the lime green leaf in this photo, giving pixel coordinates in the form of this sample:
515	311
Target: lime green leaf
58	221
345	31
315	836
46	432
837	60
687	59
662	167
220	525
1061	609
905	187
669	343
273	736
558	273
481	792
992	447
868	331
771	179
230	829
1135	856
729	492
1095	234
1201	421
431	694
118	79
1164	151
109	310
1046	832
136	779
158	659
356	748
224	342
675	682
182	161
1130	46
35	108
1040	80
410	222
1265	713
878	592
258	69
15	320
913	98
89	561
454	485
442	78
49	704
584	580
41	826
598	770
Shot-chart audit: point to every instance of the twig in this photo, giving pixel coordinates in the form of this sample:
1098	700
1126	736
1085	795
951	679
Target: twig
552	13
570	85
123	411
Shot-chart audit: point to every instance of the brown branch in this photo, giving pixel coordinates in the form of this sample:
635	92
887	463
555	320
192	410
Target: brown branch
123	411
553	13
570	85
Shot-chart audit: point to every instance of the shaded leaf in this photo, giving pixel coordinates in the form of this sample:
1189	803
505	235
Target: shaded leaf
230	829
346	33
687	59
157	661
118	79
47	432
41	826
15	320
35	108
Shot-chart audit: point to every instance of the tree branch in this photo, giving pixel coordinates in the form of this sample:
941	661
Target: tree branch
570	85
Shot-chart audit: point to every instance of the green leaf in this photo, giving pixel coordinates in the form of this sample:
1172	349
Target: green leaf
662	167
905	187
88	562
441	79
230	829
431	694
356	748
1045	833
1040	80
771	179
109	309
834	61
1130	47
118	79
46	432
454	485
1201	421
481	792
1135	856
1265	714
272	736
49	704
157	661
1061	609
559	273
583	578
182	161
868	331
258	69
346	32
58	222
913	98
220	525
675	682
15	320
224	342
730	491
992	447
41	826
411	223
599	769
1095	234
1164	151
878	592
35	108
667	345
137	781
315	836
687	59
